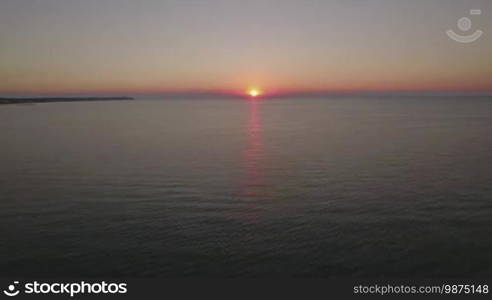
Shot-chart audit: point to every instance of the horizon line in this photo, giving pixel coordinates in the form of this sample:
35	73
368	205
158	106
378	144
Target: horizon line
236	94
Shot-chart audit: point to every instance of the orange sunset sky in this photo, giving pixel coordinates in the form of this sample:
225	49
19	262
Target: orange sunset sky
123	46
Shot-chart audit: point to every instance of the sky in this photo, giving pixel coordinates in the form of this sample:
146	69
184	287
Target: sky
229	46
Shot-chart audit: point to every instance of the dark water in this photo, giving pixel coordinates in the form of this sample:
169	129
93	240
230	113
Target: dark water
300	187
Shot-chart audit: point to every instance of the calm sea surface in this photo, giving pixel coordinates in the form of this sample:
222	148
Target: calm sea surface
368	187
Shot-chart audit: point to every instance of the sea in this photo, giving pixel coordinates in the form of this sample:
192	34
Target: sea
335	187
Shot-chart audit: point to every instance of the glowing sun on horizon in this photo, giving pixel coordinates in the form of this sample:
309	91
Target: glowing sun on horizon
254	93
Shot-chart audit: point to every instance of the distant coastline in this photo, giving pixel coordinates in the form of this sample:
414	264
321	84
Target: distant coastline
59	99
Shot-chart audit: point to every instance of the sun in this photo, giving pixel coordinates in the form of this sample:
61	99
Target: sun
254	92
